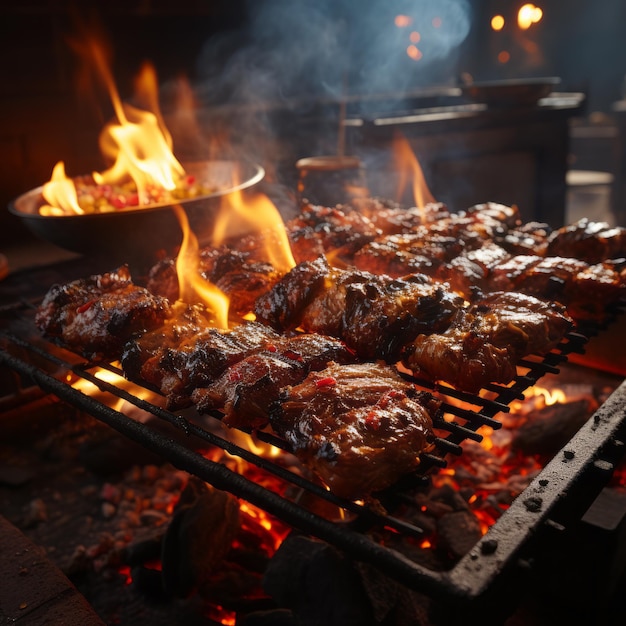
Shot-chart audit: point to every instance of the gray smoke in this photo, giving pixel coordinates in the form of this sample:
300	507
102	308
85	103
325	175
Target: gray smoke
298	48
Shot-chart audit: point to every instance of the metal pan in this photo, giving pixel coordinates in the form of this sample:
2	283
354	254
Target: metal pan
141	233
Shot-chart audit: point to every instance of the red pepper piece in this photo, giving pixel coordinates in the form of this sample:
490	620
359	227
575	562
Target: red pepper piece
327	381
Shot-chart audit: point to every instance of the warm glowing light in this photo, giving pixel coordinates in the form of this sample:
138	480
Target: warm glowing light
60	192
425	544
402	21
409	168
487	442
437	22
415	37
262	519
192	287
497	22
138	143
259	448
528	15
504	57
240	214
113	401
414	52
539	397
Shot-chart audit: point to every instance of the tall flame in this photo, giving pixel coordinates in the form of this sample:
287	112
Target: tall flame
139	143
257	214
409	168
193	288
60	193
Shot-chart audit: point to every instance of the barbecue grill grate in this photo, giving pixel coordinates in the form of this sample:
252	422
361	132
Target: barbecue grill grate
48	366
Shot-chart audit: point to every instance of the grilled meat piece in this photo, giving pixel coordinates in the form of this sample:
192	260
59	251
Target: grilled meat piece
528	238
98	314
281	307
141	355
431	248
398	255
236	273
375	315
507	216
587	290
339	231
359	427
392	219
589	241
487	340
196	361
468	273
246	389
382	316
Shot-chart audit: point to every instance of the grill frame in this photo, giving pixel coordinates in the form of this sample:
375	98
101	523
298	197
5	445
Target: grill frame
590	457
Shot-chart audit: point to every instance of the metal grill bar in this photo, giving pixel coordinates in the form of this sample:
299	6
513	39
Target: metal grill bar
606	425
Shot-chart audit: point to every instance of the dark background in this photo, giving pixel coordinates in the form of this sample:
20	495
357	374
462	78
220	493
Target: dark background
270	54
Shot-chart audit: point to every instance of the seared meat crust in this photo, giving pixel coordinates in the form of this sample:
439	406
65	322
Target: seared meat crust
177	369
374	314
339	231
586	290
589	241
237	274
247	389
98	314
359	427
486	341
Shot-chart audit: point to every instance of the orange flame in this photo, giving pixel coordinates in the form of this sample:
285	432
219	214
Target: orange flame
193	288
257	214
139	143
60	193
409	168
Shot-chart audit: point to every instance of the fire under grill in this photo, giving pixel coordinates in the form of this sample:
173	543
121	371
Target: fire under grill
562	492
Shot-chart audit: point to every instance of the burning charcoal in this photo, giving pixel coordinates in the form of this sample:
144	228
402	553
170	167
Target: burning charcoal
458	532
149	583
113	453
550	428
317	583
140	552
198	537
392	603
276	617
